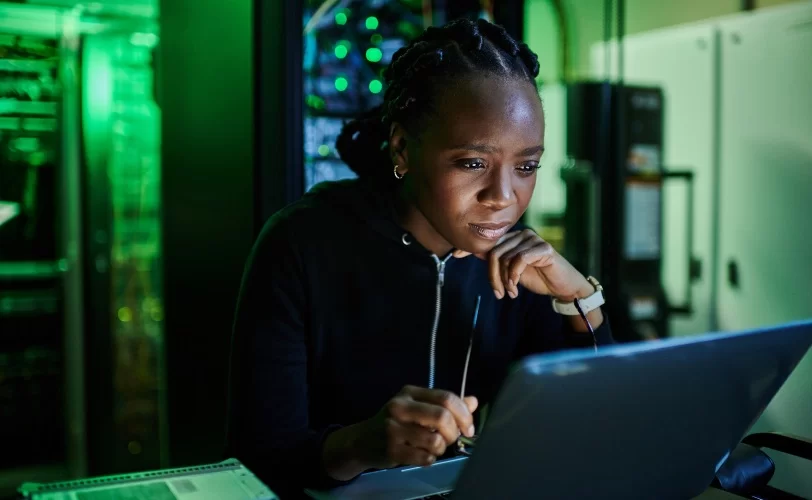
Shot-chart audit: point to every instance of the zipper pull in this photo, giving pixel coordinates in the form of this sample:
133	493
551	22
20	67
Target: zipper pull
441	273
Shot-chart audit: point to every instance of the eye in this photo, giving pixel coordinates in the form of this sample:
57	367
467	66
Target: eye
528	168
472	164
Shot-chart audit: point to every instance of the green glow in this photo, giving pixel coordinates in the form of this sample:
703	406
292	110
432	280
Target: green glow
341	84
324	150
375	86
374	54
340	51
372	23
341	18
125	315
376	39
314	101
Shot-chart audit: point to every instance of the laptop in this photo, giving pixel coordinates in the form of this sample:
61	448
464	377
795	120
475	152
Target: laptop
229	479
645	420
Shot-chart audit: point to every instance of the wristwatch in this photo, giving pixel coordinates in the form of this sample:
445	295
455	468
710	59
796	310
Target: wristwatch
587	304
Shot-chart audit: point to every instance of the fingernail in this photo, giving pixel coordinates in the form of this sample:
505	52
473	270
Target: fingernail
498	294
512	294
471	431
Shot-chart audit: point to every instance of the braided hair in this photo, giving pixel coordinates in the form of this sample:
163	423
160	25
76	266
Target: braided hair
413	77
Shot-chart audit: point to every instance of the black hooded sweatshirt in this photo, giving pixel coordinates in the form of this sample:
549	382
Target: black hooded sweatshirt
340	308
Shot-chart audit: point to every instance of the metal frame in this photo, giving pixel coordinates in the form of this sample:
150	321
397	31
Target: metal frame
73	248
278	80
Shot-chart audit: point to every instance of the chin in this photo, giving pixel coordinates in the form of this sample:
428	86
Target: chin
474	245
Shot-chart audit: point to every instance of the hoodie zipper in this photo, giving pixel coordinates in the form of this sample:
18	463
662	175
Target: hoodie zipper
437	308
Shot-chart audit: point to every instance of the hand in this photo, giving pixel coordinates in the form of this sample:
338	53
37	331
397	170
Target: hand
413	428
523	257
416	426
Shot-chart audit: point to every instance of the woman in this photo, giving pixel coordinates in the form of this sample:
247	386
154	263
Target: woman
358	303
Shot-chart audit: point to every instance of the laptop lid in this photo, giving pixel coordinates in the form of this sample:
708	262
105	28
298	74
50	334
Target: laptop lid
647	420
228	479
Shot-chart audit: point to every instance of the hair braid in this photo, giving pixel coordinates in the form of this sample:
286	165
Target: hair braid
414	75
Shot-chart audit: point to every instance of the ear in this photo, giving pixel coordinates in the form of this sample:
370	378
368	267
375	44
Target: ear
397	147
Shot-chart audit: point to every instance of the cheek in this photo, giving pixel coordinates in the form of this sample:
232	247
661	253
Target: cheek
446	193
524	190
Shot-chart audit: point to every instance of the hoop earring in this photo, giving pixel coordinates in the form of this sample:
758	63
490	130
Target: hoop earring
398	175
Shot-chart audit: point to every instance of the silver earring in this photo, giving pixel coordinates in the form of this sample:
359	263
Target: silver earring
398	175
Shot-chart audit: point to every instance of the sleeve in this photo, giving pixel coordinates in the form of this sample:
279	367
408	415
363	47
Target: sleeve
268	416
546	330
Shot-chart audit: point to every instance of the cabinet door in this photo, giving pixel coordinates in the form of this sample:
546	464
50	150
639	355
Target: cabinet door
765	237
765	195
681	61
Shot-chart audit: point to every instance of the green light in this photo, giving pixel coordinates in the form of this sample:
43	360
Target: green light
372	23
341	18
374	54
324	150
376	39
341	84
375	86
340	51
314	101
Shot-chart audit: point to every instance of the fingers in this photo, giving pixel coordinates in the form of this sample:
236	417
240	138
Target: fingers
515	261
441	410
399	450
471	402
421	423
429	416
507	242
420	437
510	259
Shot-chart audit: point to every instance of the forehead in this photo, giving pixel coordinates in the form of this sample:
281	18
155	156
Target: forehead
490	110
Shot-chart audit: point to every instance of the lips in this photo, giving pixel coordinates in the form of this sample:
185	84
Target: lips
490	230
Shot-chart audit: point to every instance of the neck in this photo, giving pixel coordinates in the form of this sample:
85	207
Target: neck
412	219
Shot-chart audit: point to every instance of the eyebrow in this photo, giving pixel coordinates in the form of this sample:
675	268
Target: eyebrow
533	150
484	148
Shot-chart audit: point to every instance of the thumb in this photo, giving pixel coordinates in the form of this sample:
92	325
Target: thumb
471	402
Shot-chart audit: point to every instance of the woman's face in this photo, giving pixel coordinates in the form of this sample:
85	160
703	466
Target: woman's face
472	171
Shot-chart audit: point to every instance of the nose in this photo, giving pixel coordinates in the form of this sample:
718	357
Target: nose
498	193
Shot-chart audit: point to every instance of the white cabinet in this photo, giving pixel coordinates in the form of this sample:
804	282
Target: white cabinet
765	194
765	185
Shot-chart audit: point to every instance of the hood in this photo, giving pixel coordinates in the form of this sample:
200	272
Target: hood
371	202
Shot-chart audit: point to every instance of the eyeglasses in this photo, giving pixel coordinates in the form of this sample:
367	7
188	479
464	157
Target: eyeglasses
463	441
589	328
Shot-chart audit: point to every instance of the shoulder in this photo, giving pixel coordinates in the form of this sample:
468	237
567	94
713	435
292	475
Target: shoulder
309	218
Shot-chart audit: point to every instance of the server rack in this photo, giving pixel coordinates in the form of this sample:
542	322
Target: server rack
80	342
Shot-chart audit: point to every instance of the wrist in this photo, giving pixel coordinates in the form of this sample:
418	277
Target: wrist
595	318
585	290
582	291
590	291
341	453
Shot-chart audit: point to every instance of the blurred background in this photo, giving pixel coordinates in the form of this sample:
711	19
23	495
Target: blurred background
144	143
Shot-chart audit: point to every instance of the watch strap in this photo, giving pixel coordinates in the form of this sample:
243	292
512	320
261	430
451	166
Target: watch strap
587	304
